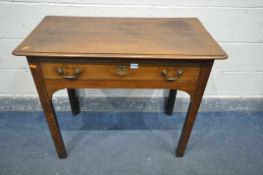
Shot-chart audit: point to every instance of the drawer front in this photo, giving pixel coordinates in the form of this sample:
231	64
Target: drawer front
119	71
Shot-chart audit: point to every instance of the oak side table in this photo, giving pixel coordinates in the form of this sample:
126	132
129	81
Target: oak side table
90	52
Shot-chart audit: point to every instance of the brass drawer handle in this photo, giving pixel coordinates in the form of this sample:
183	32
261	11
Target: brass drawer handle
165	73
76	73
121	70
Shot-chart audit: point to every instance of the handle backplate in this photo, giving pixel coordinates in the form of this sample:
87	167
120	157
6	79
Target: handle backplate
71	76
166	76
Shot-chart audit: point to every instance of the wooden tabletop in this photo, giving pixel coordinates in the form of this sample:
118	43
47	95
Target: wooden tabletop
142	38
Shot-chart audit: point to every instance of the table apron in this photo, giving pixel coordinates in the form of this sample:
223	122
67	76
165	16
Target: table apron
54	85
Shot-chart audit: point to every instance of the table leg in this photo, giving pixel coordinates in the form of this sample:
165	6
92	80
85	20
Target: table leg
53	126
74	103
46	101
195	100
188	125
170	101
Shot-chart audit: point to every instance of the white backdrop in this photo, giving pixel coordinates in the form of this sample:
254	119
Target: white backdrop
237	25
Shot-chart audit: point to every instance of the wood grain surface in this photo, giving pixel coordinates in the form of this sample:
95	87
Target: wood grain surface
143	38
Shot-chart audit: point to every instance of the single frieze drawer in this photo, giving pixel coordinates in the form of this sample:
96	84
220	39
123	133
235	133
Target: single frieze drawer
120	71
